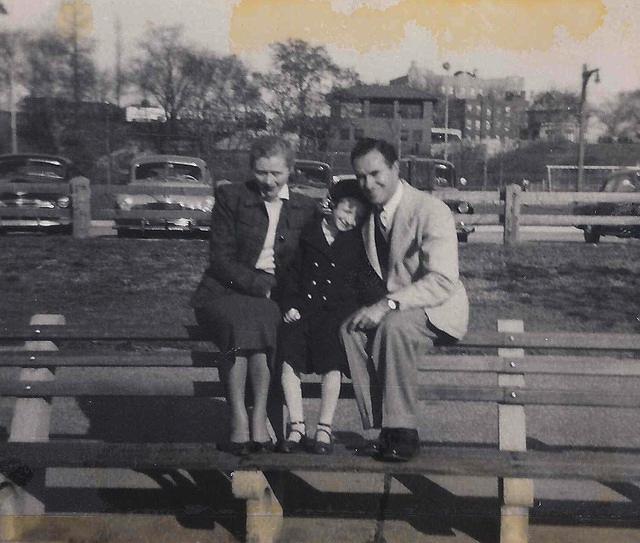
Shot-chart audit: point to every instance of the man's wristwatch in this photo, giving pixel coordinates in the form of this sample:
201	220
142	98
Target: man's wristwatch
393	304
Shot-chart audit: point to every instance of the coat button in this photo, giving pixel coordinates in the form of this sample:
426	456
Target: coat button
324	298
316	264
333	264
314	282
282	237
328	281
309	296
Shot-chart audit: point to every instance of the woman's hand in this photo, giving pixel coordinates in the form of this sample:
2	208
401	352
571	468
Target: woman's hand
292	315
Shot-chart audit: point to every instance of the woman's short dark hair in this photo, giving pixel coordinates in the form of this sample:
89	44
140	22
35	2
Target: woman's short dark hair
269	146
366	145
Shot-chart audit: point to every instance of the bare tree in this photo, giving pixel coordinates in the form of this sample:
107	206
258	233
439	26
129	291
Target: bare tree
224	100
302	76
621	116
162	69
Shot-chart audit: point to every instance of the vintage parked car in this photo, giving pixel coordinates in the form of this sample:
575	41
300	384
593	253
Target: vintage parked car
433	175
627	180
40	169
159	180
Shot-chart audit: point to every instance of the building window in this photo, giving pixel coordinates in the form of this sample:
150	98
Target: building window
345	134
478	108
404	135
488	112
358	133
507	109
351	110
467	124
381	109
487	125
417	135
477	124
410	111
469	107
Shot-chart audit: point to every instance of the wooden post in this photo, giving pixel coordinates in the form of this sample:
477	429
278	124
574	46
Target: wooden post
264	512
81	201
516	494
512	214
21	507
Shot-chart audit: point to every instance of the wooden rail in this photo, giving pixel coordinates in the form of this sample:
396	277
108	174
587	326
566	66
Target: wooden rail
511	208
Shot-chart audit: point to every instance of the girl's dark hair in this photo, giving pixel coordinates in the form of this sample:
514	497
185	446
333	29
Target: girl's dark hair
346	188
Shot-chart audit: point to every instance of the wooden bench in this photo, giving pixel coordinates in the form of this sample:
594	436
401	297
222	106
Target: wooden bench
34	348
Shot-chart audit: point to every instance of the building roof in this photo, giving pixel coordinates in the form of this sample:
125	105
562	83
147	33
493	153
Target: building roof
381	92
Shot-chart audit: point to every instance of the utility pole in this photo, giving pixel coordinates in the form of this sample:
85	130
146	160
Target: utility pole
586	75
118	33
446	67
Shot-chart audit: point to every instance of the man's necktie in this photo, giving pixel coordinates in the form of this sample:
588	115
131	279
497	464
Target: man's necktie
382	245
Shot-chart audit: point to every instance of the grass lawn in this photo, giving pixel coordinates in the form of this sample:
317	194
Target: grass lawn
552	286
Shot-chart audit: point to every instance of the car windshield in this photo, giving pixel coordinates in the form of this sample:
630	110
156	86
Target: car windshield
312	176
163	171
29	169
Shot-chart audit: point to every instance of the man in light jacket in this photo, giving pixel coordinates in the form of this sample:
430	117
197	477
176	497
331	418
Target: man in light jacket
410	240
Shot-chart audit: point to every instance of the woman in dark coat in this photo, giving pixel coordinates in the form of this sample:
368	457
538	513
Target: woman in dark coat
255	228
320	291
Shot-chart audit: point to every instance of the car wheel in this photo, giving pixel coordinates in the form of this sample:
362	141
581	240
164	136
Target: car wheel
463	237
592	236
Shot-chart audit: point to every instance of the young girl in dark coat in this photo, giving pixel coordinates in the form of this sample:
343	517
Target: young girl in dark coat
329	279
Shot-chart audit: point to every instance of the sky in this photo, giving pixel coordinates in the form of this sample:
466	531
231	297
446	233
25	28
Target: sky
544	41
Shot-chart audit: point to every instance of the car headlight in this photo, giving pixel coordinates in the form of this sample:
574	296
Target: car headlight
63	201
463	207
125	203
207	205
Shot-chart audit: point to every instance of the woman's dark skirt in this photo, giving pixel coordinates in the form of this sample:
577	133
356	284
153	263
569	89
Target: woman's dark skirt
237	322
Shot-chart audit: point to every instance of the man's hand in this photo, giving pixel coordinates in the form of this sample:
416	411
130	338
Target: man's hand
368	317
292	315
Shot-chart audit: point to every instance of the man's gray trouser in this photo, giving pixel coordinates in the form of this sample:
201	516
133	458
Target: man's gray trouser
383	364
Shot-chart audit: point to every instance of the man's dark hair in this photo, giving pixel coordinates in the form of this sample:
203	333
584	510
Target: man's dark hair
269	146
366	145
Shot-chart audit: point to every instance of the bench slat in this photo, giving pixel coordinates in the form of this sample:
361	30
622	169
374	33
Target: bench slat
174	358
479	461
533	364
213	388
191	332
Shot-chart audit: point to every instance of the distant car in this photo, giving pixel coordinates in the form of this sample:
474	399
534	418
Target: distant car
40	169
311	177
433	175
164	176
620	181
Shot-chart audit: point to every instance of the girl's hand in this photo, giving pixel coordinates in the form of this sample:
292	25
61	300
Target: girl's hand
292	315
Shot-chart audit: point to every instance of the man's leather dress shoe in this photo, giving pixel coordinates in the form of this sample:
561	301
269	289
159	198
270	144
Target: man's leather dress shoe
398	444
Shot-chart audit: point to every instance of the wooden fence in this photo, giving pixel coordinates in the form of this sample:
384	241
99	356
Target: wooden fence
511	208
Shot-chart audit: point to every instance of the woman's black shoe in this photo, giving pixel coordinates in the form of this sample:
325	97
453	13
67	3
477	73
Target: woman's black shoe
261	446
242	448
290	445
320	447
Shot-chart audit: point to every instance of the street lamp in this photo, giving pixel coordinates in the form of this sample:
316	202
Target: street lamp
446	67
586	75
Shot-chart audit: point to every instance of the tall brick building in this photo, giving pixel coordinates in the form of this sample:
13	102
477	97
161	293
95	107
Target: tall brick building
479	108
